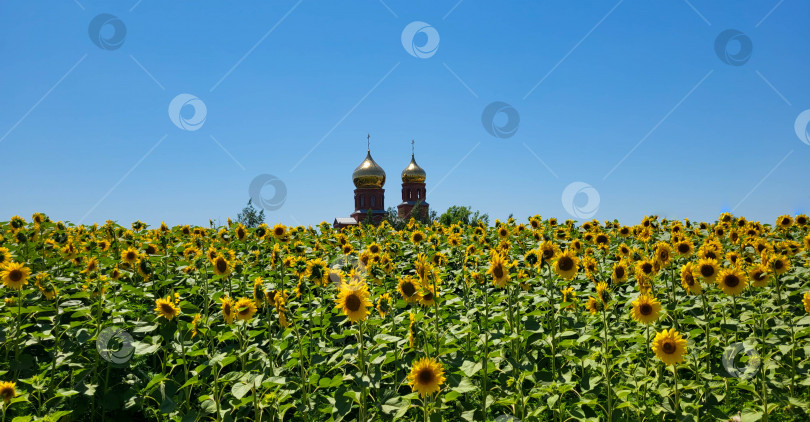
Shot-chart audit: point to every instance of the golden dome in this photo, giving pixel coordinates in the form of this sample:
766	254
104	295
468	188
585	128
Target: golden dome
368	174
413	173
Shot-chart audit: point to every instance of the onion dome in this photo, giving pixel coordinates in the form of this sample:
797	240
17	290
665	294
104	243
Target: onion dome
368	174
413	173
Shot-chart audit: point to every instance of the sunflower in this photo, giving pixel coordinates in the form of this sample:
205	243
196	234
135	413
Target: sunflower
14	275
669	346
499	270
245	309
603	292
417	237
646	309
593	305
663	253
130	255
384	304
569	296
707	268
353	300
428	296
620	272
549	250
280	231
408	289
688	281
221	265
602	241
194	323
7	392
318	271
806	301
784	221
732	281
566	265
167	308
624	250
5	255
228	311
779	264
412	329
759	275
532	257
427	376
645	270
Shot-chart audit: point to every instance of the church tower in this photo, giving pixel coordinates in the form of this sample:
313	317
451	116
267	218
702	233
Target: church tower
369	195
413	190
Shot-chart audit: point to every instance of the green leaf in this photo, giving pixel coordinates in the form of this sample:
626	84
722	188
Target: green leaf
465	386
470	368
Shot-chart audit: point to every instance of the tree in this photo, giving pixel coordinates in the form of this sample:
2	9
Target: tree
369	218
249	217
462	215
392	216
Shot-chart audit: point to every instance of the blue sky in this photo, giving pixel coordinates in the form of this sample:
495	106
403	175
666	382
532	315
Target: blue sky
291	88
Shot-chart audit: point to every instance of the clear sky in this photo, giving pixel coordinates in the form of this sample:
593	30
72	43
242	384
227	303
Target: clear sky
637	107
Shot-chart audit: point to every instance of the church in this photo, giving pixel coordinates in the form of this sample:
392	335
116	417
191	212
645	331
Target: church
369	195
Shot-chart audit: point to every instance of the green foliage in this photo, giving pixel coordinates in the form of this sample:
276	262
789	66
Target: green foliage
457	214
249	217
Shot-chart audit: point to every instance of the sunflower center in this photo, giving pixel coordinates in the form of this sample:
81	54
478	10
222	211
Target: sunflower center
566	263
668	347
601	239
758	275
619	272
706	270
130	256
425	376
690	281
778	264
166	308
645	309
428	296
222	265
732	280
711	255
15	275
408	289
353	302
663	255
497	271
647	268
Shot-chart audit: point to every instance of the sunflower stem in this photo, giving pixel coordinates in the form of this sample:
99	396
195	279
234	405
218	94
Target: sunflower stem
677	393
607	366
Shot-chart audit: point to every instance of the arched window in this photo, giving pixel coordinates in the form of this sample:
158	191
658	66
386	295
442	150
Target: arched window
418	194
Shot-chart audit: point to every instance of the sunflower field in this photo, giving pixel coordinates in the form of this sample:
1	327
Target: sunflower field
531	321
